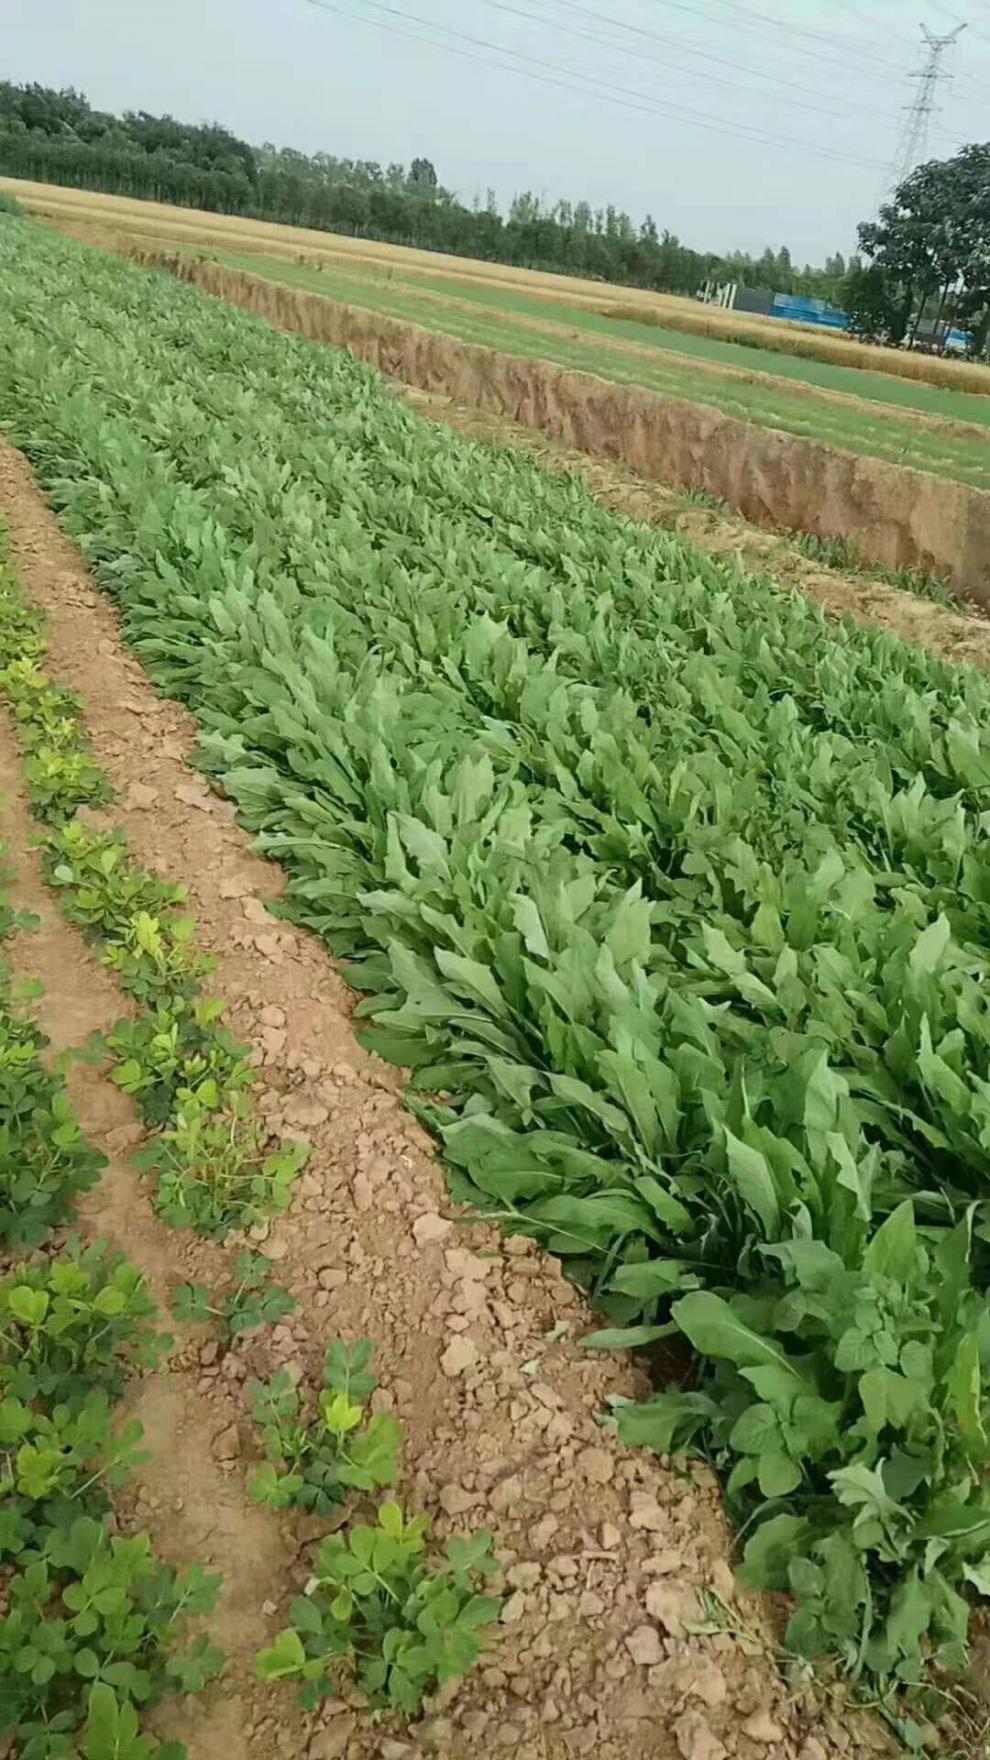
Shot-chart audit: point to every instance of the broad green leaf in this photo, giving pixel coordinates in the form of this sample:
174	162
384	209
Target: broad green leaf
285	1657
893	1251
753	1180
716	1330
769	1551
964	1394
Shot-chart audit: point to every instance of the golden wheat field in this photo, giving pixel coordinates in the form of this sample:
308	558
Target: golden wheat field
164	223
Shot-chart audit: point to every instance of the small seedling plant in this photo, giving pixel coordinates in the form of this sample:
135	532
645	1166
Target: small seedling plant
375	1602
250	1301
315	1465
178	1048
213	1169
59	769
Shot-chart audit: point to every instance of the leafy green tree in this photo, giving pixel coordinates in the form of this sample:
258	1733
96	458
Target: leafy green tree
931	241
872	304
423	176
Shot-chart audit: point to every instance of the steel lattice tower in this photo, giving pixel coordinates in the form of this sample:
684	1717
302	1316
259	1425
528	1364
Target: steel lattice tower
913	142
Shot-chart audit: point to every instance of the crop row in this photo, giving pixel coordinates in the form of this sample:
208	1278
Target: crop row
95	1627
676	895
375	1598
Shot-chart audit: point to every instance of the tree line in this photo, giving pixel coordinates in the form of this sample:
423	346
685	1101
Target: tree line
57	137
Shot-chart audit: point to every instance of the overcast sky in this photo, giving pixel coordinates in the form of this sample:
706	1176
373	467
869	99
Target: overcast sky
736	123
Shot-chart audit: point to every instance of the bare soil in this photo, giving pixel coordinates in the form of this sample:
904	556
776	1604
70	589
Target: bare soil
607	1553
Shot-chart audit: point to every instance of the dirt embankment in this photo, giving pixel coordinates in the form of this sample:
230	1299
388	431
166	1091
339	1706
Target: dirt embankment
897	518
608	1554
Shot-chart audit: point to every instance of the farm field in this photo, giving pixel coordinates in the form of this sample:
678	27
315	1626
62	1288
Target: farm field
914	607
892	428
932	400
462	276
365	1249
670	895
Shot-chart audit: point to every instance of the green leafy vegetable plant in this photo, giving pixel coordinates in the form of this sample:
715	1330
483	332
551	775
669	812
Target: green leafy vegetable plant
315	1465
177	1050
59	769
375	1603
78	1322
214	1170
45	1162
57	1463
97	1609
137	918
251	1300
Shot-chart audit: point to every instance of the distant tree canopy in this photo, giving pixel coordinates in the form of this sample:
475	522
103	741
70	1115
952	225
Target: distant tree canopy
929	251
56	137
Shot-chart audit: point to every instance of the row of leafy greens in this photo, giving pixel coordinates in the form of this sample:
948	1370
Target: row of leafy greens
673	897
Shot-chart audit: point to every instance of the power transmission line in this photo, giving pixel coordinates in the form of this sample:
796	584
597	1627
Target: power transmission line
755	23
778	78
639	54
914	136
545	73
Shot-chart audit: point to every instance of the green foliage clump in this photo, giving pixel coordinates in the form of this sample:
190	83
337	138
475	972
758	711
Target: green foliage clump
101	1610
45	1161
846	1405
375	1602
250	1300
59	769
77	1322
314	1466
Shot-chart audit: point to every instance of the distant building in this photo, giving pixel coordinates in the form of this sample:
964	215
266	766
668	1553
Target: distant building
808	311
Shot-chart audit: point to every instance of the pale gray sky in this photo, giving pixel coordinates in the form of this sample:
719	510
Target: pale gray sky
737	123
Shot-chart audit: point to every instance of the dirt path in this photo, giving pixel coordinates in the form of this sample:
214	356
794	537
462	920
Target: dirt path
953	635
606	1552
